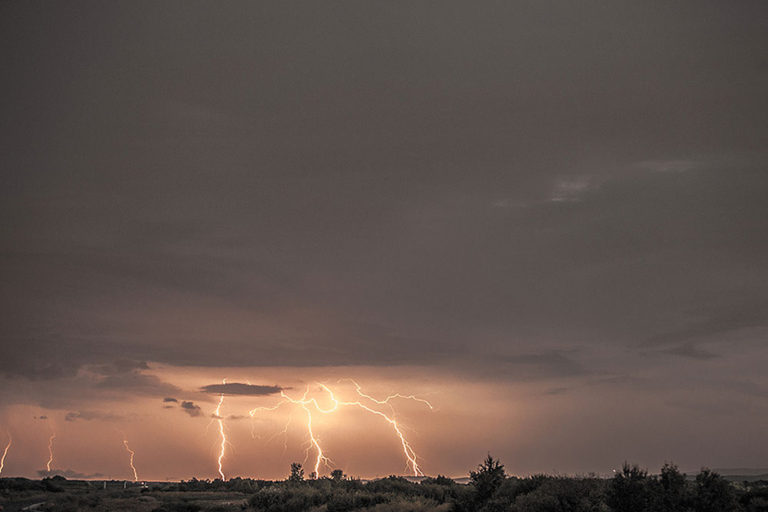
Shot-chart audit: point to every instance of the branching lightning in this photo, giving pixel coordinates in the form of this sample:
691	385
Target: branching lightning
5	452
131	453
310	404
50	452
390	397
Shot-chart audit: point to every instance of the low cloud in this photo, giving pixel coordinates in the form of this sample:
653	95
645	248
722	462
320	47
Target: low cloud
679	165
542	365
238	388
556	391
691	351
120	366
137	383
191	408
169	399
91	415
572	189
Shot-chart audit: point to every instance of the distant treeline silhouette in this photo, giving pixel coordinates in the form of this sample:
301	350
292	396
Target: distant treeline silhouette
489	490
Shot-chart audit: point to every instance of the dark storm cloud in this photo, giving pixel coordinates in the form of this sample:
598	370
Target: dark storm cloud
91	383
557	193
137	384
742	313
169	399
238	388
121	366
191	408
691	351
543	365
91	415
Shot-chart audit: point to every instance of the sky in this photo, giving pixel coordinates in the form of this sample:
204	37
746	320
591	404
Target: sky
546	218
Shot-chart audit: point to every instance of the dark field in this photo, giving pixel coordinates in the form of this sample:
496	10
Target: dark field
488	490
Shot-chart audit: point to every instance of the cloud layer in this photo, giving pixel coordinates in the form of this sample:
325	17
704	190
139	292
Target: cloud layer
570	196
238	388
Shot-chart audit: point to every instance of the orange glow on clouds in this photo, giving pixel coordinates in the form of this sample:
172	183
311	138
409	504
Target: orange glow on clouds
392	421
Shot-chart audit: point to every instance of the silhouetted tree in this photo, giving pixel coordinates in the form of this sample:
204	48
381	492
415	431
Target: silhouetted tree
630	490
297	473
713	493
488	477
672	490
337	475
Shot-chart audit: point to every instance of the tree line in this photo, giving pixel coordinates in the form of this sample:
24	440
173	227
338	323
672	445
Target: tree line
489	489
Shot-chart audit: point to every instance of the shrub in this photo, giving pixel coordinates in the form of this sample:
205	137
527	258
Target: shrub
713	493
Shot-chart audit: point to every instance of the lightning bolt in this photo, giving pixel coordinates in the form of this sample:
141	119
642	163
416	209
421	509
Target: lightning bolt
131	453
321	458
313	440
252	412
222	434
50	452
284	432
310	404
5	452
390	397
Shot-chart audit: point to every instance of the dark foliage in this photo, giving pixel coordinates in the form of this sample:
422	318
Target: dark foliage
631	490
488	478
713	493
489	490
179	506
297	473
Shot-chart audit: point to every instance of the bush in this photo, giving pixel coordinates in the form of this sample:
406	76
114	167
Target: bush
345	501
282	499
178	506
713	493
563	495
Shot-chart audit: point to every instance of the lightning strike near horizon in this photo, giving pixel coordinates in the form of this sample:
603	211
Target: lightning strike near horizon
130	460
222	434
321	458
307	404
50	452
5	452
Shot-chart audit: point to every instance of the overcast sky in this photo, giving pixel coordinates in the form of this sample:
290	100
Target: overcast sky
560	206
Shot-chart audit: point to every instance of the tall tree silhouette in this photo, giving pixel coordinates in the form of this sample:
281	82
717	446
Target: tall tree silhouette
297	473
488	477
